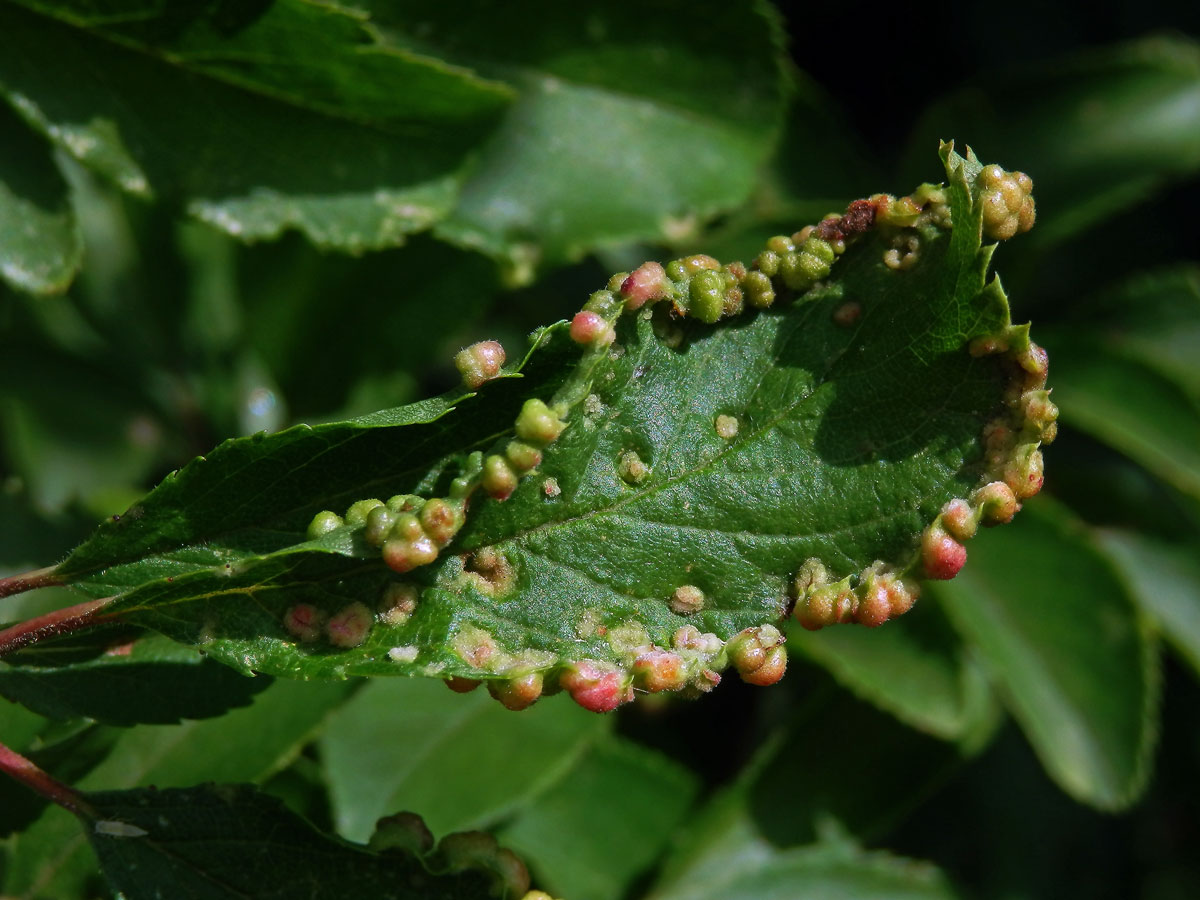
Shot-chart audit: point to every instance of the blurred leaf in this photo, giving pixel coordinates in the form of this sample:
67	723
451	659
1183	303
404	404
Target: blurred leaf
841	760
462	762
298	119
1064	641
155	681
1098	131
230	841
51	858
724	857
40	249
1165	579
601	826
635	121
1128	405
915	669
829	462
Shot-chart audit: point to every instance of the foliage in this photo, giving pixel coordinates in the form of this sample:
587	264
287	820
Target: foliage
220	220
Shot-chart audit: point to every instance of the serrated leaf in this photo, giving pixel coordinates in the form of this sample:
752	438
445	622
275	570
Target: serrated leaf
915	670
292	118
1165	579
248	744
849	440
1098	131
230	841
612	138
624	799
40	248
154	681
1074	660
399	745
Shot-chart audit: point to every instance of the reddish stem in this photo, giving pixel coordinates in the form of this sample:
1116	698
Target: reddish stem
61	621
27	581
51	788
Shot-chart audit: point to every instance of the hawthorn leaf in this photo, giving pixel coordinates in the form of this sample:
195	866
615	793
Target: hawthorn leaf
40	247
398	743
295	118
1075	662
611	139
628	798
231	841
710	462
1098	131
153	681
1165	579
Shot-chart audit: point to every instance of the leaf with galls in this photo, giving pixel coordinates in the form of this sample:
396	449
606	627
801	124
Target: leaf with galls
705	450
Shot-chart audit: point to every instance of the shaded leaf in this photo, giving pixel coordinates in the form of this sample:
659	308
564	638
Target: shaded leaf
354	144
461	762
1098	131
1075	663
230	841
1132	407
154	681
1165	579
40	249
636	121
602	825
915	670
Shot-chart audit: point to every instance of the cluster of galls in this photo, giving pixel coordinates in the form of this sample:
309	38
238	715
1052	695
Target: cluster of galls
349	626
1007	199
692	665
409	530
878	595
406	834
1013	469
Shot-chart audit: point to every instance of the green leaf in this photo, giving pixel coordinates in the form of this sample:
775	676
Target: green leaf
298	118
154	681
1134	408
461	762
1074	660
915	669
40	248
1098	131
1165	579
623	800
248	744
230	841
725	857
849	441
641	136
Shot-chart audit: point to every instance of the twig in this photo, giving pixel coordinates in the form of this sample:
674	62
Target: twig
61	621
51	788
27	581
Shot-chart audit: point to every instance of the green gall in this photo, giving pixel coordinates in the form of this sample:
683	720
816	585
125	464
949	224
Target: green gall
631	468
727	427
441	520
699	262
758	290
603	303
404	832
402	555
357	513
379	525
706	299
517	693
780	244
686	600
768	263
479	363
405	503
522	457
498	479
538	423
406	527
322	523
